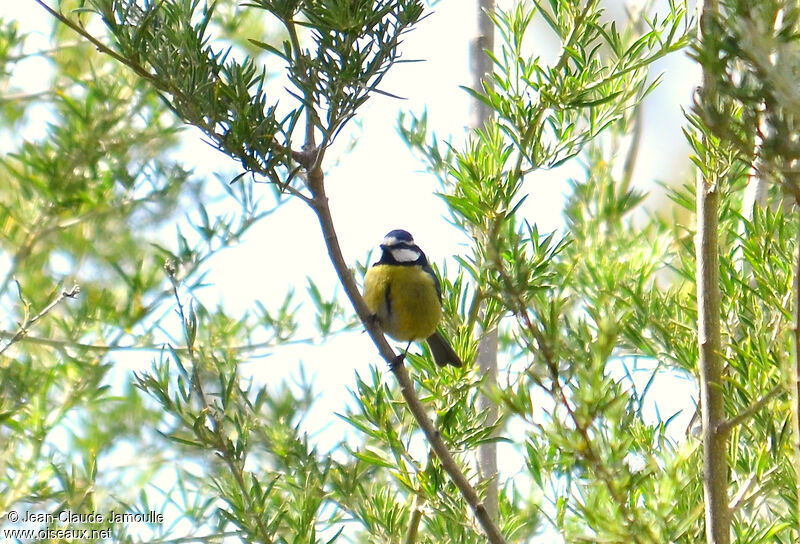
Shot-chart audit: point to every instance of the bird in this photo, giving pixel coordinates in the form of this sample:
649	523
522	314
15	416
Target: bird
405	297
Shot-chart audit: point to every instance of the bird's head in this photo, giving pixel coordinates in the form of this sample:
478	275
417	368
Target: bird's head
399	247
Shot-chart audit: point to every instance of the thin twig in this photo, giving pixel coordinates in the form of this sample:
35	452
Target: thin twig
742	498
42	52
751	410
140	70
26	97
104	348
312	120
24	327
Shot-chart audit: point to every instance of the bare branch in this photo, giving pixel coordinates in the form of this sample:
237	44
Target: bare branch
24	327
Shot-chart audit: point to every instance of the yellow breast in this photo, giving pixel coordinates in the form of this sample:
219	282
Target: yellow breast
412	310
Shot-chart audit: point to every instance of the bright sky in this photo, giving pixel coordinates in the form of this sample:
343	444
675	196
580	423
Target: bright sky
380	186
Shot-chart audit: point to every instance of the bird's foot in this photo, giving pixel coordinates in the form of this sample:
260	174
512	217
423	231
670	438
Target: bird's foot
400	358
398	361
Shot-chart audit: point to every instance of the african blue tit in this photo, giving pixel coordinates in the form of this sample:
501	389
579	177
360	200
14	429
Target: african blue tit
403	293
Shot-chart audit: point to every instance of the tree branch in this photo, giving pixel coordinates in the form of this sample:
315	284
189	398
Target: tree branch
751	410
319	203
715	437
481	65
795	368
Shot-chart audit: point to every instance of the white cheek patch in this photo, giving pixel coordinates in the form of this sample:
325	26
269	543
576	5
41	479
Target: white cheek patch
405	255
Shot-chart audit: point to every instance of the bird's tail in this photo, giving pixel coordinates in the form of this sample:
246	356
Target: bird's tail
443	352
